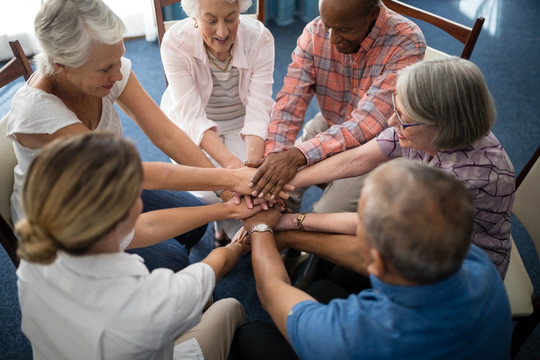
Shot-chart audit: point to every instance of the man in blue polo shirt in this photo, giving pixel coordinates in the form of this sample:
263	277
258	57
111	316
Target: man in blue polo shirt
434	295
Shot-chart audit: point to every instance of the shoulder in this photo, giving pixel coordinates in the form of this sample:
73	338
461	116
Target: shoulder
311	325
396	30
254	33
485	155
182	36
396	24
35	111
480	273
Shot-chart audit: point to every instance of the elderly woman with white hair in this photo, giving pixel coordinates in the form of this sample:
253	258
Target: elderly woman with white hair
219	65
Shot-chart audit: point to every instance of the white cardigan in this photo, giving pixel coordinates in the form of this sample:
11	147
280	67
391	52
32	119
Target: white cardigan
190	81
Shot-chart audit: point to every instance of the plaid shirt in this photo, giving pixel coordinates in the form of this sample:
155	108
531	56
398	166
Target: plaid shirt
353	90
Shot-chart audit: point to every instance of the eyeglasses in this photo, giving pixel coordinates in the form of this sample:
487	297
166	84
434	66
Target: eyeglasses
403	125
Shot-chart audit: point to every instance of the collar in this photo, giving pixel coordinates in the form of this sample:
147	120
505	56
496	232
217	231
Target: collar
422	295
374	34
110	265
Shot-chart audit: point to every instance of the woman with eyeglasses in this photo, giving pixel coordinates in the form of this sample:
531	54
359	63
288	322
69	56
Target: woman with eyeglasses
219	65
443	113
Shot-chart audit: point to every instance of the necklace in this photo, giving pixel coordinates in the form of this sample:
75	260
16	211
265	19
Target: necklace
227	63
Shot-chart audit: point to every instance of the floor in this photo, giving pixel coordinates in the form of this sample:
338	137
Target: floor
507	52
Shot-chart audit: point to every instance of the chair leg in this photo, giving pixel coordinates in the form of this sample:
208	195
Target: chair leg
524	327
9	241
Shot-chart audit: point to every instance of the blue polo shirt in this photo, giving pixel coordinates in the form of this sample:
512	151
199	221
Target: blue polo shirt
465	316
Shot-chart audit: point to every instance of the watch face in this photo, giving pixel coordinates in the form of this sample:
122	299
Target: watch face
261	227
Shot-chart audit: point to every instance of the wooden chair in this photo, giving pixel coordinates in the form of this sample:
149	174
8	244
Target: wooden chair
18	66
525	309
466	35
163	25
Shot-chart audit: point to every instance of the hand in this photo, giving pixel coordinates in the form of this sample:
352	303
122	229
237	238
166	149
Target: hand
241	238
241	178
240	210
275	171
269	217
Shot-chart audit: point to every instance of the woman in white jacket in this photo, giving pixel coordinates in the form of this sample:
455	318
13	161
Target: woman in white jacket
219	65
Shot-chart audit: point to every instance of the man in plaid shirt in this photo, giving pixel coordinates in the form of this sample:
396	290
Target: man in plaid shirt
348	58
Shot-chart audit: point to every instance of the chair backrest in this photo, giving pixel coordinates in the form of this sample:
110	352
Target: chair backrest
7	164
163	26
18	66
520	290
527	199
526	208
466	35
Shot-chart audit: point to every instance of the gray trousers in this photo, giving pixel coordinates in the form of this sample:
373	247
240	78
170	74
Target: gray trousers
339	195
216	330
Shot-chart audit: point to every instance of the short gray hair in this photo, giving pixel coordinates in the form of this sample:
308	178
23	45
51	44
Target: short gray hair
450	94
192	7
419	218
67	30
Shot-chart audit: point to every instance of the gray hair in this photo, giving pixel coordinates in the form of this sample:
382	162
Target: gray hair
192	7
450	94
419	218
67	30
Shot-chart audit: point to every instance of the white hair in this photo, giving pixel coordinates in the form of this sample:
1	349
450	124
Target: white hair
67	30
191	7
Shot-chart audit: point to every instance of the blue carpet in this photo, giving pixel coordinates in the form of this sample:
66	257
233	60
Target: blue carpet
507	53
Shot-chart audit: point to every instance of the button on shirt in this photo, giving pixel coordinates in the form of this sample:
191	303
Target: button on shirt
109	306
353	91
465	316
488	174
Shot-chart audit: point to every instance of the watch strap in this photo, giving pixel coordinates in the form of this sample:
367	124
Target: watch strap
260	228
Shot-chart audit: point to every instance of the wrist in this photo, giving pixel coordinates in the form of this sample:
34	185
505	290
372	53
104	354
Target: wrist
226	195
299	221
259	228
236	247
297	157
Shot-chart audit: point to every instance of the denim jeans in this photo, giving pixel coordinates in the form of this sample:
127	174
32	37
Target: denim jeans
173	253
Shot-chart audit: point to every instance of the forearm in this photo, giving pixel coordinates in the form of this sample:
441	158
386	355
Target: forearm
156	226
270	276
343	250
350	163
223	259
163	133
213	145
255	147
168	176
338	223
182	149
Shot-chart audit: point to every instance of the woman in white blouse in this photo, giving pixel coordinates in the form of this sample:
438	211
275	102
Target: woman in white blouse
81	295
81	73
219	65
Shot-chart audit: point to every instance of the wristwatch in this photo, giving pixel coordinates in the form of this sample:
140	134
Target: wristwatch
260	228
